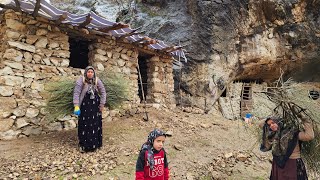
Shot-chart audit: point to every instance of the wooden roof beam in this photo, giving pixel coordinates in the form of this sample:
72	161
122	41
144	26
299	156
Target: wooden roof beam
148	41
168	48
61	18
36	9
138	41
151	41
86	22
114	27
18	5
174	48
145	39
134	32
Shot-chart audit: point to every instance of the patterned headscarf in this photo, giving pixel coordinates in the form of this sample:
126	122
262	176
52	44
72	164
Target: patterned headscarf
282	142
149	145
89	81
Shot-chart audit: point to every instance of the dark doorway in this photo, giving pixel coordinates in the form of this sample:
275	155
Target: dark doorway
142	60
79	50
224	93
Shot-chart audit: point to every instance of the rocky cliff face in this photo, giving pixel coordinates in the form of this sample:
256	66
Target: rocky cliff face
230	40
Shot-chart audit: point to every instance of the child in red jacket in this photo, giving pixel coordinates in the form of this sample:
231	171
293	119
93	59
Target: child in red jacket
152	162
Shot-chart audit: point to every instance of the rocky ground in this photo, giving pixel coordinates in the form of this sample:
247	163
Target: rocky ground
201	147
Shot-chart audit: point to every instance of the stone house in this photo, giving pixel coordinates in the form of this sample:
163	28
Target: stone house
244	96
40	43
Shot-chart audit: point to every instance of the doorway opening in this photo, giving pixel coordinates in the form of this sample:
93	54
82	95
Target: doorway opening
224	93
79	50
143	82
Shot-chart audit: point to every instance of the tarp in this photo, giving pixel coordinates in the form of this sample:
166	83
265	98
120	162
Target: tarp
97	22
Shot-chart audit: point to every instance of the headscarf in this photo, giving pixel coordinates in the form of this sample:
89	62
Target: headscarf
87	80
282	142
91	81
149	145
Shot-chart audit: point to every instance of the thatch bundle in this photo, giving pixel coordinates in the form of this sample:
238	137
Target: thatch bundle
60	99
291	100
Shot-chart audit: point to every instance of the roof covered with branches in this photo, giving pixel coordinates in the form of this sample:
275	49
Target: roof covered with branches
92	21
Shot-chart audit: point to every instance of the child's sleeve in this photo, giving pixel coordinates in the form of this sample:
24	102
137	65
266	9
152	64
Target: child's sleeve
140	166
166	169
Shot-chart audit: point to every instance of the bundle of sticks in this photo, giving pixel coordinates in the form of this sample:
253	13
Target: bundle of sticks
292	103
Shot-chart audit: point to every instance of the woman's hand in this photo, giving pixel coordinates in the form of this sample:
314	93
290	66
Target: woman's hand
101	107
76	110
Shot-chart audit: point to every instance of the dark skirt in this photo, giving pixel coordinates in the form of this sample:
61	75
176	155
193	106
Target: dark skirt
293	170
90	124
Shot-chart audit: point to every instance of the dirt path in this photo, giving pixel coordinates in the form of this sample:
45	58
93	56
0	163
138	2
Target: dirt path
201	147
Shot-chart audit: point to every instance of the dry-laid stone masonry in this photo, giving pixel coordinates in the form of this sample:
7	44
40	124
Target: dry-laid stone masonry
34	51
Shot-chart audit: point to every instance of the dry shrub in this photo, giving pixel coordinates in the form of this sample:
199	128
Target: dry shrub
60	94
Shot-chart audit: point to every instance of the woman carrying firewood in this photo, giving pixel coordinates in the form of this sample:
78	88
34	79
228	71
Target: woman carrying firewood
284	139
89	97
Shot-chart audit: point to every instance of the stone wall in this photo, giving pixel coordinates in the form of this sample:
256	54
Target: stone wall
262	107
160	81
109	57
230	105
34	52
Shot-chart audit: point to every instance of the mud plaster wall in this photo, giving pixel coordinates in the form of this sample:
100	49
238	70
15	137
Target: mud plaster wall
34	52
230	105
262	106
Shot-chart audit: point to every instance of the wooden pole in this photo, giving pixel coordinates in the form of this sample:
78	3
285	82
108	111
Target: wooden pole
36	8
142	91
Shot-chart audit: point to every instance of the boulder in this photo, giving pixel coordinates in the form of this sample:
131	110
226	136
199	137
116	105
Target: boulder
12	80
32	112
19	112
21	122
6	90
8	135
13	54
41	32
16	25
6	124
6	71
12	34
14	65
41	43
23	46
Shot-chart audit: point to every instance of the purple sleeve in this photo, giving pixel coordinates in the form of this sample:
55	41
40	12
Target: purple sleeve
77	91
102	92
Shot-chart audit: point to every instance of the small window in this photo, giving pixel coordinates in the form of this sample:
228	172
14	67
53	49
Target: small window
79	50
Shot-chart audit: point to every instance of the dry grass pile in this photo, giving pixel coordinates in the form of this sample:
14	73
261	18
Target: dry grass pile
60	94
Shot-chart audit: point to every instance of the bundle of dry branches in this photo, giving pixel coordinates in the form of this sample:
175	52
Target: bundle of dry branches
292	102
